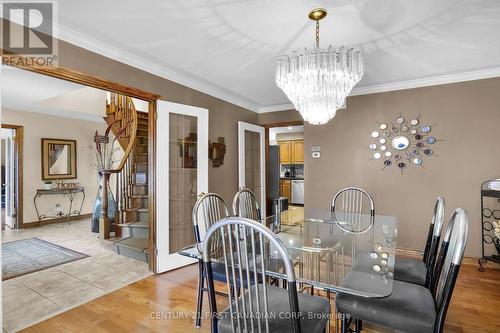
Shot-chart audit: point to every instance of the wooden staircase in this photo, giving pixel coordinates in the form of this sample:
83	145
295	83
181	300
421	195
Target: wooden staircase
131	226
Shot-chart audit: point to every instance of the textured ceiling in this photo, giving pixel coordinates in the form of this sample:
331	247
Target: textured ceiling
229	48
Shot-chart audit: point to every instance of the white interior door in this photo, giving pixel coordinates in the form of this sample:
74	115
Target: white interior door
10	177
251	161
182	173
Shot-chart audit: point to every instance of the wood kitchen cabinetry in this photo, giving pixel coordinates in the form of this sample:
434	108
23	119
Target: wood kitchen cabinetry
285	152
291	151
297	151
286	188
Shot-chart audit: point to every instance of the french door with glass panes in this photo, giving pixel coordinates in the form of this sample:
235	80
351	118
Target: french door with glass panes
182	174
251	161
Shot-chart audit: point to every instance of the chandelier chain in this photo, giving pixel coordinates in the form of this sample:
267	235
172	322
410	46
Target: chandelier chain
317	33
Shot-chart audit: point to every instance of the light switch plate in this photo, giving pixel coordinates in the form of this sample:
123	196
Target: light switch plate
315	148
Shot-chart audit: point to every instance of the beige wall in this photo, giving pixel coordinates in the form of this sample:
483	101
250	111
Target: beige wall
223	116
279	117
465	115
38	126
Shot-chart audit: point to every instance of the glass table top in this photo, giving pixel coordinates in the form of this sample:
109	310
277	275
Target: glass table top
352	253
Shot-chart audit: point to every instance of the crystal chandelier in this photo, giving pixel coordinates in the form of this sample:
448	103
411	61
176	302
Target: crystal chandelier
317	81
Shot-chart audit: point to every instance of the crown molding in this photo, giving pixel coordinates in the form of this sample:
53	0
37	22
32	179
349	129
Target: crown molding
408	84
91	44
277	107
486	73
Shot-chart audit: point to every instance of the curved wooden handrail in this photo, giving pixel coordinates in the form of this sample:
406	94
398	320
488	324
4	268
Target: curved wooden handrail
133	134
123	113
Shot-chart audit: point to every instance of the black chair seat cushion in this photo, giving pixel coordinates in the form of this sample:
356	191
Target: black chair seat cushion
410	270
219	274
410	308
314	312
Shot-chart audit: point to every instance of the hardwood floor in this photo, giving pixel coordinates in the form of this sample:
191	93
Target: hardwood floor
165	303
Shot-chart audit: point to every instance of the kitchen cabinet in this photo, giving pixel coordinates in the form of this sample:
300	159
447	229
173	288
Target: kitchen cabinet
286	189
285	152
291	151
297	151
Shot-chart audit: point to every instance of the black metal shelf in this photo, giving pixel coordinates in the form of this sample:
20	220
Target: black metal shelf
488	216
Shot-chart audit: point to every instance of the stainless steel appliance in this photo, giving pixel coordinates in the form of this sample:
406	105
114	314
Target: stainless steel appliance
298	191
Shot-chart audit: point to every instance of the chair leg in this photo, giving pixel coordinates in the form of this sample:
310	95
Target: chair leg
199	301
357	325
344	325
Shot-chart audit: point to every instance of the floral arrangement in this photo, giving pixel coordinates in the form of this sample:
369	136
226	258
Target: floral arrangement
105	151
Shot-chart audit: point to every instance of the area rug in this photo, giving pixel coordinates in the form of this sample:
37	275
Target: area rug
30	255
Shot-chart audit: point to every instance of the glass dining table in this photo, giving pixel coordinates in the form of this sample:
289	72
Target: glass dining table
337	252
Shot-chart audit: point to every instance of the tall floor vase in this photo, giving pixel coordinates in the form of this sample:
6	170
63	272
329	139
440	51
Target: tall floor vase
96	212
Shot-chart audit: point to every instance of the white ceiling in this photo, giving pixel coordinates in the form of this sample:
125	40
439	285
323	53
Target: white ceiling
31	92
228	48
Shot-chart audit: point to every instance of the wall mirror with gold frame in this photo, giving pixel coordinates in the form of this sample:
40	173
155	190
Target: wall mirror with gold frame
58	159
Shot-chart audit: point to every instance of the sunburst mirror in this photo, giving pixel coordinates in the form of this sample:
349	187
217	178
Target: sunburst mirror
402	143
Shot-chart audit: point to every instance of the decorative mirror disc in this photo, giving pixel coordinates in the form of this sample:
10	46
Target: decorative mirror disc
400	142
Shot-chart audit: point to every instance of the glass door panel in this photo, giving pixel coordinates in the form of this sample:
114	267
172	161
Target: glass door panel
183	143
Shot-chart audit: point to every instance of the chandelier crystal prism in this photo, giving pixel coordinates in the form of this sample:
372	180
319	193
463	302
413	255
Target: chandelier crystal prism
317	81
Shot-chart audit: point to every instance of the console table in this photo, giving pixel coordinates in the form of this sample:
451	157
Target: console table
70	193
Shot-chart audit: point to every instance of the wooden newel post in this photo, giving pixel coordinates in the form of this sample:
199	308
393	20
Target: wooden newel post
104	229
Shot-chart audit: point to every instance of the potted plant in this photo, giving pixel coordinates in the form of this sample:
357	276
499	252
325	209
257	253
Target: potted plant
47	184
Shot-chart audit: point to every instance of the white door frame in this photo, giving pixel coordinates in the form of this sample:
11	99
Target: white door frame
165	260
242	127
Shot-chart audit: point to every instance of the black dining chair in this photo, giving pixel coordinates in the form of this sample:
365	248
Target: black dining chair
208	209
245	205
420	271
249	250
412	307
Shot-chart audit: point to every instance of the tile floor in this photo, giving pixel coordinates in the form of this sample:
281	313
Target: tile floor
34	297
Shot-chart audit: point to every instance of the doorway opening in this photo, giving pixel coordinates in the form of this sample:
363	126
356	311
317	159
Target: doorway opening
284	145
11	137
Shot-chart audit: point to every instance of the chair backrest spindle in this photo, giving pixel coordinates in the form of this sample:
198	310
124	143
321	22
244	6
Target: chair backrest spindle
246	245
245	205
